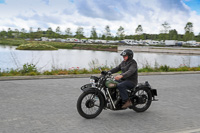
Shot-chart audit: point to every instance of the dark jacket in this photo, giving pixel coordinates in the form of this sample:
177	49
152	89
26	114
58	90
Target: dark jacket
129	70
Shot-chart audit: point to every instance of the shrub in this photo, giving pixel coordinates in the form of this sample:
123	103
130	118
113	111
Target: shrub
184	68
146	68
48	73
95	70
27	68
14	72
83	71
164	68
172	69
32	74
62	73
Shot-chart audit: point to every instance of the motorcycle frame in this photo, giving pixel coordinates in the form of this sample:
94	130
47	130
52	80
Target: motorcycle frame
98	91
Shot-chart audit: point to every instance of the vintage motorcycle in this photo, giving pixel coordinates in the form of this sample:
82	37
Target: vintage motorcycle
102	93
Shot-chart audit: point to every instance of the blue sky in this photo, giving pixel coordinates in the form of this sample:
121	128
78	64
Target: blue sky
18	14
2	1
194	5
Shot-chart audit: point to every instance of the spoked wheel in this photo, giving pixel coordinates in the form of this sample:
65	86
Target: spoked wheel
142	99
90	105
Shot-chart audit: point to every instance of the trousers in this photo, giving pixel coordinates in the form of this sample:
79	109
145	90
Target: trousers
123	86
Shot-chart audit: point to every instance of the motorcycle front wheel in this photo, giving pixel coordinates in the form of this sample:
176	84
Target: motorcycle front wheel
90	104
142	99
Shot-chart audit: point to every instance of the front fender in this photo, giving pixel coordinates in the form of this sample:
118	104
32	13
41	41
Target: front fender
97	91
93	89
86	86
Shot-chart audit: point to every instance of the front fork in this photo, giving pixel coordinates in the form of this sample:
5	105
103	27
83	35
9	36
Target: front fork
110	98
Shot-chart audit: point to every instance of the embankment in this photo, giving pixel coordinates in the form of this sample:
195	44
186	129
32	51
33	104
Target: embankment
172	50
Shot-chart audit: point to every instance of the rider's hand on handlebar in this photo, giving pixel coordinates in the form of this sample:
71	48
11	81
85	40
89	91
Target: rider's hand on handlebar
118	77
104	72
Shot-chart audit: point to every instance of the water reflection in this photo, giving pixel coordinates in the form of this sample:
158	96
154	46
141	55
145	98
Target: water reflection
65	59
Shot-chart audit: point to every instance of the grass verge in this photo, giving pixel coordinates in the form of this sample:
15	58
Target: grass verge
31	70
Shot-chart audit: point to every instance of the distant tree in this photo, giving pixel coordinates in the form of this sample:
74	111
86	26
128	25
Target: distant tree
103	37
79	33
93	33
173	35
120	33
50	33
39	29
9	33
49	29
166	26
107	32
116	38
198	37
139	30
144	36
3	34
189	27
58	32
164	32
189	35
180	37
38	34
16	33
16	30
68	32
23	33
23	30
163	36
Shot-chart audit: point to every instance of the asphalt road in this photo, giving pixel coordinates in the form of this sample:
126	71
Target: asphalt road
49	106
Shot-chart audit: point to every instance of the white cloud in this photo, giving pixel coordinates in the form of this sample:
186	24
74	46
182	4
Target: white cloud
99	13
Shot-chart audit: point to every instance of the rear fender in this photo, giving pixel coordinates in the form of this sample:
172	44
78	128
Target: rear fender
153	91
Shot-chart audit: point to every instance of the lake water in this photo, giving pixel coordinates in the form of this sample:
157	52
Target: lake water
69	59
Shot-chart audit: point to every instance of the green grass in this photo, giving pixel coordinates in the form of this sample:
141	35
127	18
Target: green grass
27	69
165	68
12	42
26	45
99	47
35	46
30	69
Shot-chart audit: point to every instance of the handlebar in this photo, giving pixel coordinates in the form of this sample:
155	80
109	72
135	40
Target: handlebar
106	73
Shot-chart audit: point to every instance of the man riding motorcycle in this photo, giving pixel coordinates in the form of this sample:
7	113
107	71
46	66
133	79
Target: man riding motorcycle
128	78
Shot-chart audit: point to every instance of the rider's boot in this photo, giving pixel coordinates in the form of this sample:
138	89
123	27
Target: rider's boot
127	104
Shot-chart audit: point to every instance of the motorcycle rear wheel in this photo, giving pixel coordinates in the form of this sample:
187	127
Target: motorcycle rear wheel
145	97
90	105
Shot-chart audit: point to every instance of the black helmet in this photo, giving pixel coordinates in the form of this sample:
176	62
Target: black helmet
127	52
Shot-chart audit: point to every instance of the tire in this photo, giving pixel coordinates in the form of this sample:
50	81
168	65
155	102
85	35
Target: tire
87	102
147	96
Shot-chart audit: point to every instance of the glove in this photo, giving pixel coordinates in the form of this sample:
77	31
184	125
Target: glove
104	72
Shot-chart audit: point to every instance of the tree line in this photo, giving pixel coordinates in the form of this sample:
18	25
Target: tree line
165	34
